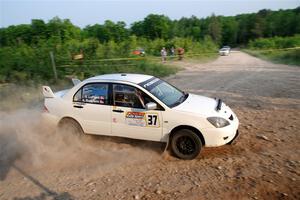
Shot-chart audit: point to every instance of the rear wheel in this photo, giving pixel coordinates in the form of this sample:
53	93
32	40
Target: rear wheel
186	144
69	129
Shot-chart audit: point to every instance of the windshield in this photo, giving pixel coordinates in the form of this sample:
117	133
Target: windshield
168	94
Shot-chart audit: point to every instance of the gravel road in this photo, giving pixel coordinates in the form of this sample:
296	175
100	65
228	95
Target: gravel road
263	164
241	79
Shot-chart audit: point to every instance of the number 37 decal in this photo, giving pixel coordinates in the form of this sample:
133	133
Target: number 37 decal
152	120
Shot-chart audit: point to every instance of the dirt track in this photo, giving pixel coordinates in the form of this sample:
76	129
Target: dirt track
263	164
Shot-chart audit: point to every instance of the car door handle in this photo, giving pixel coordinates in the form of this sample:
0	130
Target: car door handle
77	106
118	111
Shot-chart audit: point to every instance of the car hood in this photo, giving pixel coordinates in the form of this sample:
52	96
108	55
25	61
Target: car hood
199	105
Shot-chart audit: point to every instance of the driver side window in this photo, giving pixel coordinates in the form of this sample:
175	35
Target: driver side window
127	96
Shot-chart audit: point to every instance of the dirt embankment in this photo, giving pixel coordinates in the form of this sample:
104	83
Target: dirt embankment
36	163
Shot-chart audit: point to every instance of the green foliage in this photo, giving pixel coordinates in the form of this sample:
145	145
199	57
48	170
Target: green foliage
24	49
215	29
275	42
290	57
23	62
275	49
153	26
108	31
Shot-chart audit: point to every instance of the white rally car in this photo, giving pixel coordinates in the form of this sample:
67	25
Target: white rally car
224	51
142	107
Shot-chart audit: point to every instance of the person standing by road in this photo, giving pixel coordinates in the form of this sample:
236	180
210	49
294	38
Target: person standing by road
172	51
163	54
180	52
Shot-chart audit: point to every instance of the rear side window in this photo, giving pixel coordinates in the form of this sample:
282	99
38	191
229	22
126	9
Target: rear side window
95	93
77	96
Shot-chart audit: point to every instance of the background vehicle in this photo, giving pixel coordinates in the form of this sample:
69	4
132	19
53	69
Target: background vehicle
140	52
226	47
142	107
224	52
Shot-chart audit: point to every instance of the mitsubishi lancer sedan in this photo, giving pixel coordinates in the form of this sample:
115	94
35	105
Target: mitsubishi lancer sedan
142	107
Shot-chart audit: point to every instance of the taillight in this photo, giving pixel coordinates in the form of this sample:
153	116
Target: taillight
45	109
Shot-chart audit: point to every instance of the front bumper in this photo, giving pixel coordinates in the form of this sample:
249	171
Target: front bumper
223	54
220	136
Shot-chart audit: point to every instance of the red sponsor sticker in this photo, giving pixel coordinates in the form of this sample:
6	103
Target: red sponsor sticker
135	115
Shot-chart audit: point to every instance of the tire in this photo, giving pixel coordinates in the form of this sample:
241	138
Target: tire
69	129
186	144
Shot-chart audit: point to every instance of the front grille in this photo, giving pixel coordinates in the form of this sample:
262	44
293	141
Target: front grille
231	117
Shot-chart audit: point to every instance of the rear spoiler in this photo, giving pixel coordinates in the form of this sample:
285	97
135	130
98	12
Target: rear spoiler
47	92
75	81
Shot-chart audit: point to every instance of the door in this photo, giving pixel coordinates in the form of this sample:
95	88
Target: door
129	116
91	105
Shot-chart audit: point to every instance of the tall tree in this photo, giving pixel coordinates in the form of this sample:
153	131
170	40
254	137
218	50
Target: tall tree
156	26
230	31
215	29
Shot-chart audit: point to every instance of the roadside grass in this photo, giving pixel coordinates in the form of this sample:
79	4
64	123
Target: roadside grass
28	93
289	57
86	69
150	67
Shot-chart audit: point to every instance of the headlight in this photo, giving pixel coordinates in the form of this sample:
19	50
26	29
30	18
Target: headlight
218	122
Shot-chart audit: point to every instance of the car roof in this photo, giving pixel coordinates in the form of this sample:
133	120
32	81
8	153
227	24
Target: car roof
133	78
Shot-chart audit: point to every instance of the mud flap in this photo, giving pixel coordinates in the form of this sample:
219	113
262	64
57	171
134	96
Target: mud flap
165	152
167	145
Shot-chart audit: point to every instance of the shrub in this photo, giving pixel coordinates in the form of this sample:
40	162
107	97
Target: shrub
275	42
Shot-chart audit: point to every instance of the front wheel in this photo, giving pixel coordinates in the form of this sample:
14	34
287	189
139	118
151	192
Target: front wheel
186	144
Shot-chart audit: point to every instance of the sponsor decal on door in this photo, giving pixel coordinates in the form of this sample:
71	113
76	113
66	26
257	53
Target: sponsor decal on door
142	119
135	119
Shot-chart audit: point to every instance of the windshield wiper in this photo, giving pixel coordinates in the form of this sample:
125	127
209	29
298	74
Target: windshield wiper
180	100
186	94
183	97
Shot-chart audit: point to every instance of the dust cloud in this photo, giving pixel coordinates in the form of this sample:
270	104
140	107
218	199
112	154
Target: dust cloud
30	142
25	137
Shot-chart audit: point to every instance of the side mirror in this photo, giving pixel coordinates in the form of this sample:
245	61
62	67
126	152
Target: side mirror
151	106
